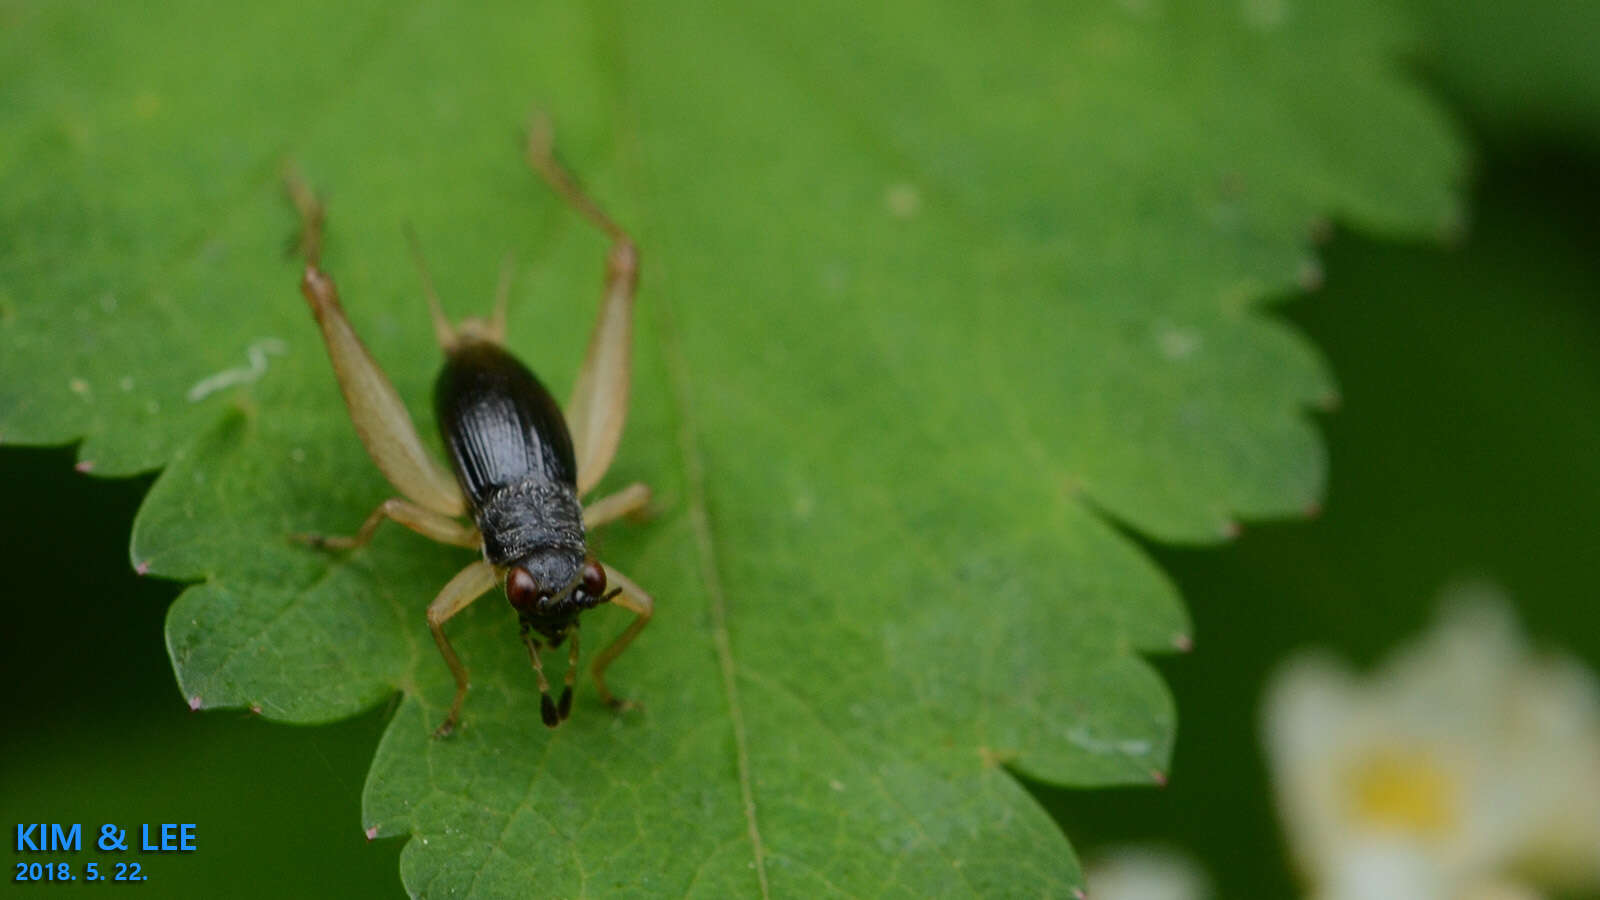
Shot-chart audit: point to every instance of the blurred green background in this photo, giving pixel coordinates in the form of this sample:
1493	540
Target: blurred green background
1466	445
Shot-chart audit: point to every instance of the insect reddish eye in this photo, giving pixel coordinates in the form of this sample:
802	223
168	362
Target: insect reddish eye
594	578
522	590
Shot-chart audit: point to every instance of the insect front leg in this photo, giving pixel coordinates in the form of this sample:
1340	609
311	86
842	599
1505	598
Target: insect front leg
635	600
468	585
423	521
380	418
599	402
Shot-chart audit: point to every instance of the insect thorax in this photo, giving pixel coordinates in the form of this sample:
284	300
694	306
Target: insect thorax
529	516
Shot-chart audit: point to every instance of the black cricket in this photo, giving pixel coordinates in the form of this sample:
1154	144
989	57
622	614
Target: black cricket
519	470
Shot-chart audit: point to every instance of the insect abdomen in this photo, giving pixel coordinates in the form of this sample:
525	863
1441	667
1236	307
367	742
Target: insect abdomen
499	423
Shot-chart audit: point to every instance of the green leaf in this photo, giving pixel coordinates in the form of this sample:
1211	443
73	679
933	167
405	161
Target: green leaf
931	296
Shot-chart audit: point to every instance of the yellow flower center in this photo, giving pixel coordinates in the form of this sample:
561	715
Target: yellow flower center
1404	790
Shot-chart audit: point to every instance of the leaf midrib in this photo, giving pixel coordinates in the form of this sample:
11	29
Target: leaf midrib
694	478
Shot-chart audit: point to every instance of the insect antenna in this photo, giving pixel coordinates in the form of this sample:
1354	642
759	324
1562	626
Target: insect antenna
442	329
602	600
502	290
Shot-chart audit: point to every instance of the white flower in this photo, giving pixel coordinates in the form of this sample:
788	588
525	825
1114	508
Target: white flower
1465	768
1146	873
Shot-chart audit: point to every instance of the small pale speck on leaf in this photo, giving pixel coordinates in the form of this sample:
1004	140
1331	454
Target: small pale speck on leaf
1266	14
1178	343
903	200
995	758
147	104
1310	277
1139	8
835	277
1225	216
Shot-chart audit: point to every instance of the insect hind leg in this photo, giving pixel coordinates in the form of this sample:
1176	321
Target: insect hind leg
307	242
376	410
599	401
